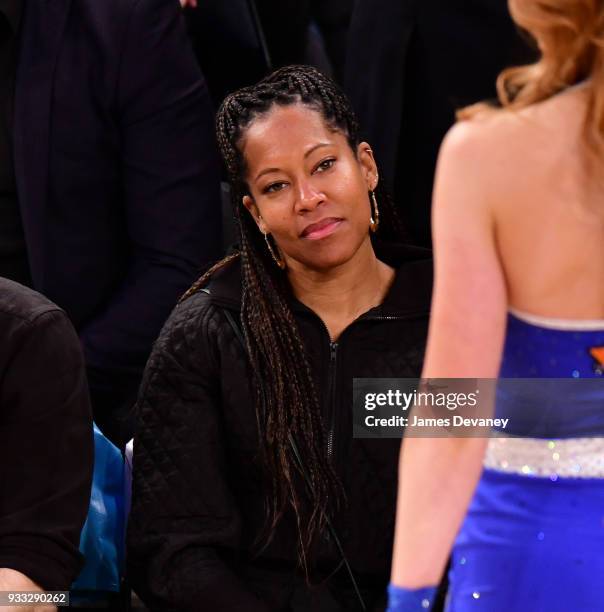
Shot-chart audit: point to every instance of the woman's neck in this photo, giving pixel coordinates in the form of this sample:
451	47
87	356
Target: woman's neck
341	294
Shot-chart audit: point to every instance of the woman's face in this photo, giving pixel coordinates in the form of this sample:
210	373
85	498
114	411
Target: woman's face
308	189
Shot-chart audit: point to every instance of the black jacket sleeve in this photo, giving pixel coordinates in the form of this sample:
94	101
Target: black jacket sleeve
171	192
46	449
185	526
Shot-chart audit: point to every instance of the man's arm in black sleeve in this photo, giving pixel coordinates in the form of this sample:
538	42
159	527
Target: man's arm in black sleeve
46	449
184	526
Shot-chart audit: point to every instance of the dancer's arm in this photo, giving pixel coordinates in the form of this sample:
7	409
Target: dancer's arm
438	476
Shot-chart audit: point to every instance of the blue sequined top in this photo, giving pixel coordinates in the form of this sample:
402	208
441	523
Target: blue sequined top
562	391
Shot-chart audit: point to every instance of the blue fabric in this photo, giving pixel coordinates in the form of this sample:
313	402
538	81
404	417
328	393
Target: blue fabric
566	400
535	543
409	600
531	351
102	539
530	544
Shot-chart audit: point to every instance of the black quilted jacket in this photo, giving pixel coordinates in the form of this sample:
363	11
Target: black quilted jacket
197	498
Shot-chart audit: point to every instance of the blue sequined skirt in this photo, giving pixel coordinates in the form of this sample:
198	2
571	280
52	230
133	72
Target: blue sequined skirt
533	537
530	544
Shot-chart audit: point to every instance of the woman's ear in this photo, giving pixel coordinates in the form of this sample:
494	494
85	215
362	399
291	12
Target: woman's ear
368	165
249	203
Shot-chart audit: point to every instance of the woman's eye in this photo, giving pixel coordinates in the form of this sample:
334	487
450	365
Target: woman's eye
273	187
326	164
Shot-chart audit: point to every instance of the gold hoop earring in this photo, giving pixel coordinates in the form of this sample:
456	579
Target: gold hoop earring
277	259
374	220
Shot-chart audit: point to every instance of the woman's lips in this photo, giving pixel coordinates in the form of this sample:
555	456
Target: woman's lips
321	229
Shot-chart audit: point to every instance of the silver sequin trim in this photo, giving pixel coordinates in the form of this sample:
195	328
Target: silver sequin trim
559	323
568	458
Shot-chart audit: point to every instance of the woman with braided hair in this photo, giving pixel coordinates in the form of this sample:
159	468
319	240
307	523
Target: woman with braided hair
250	492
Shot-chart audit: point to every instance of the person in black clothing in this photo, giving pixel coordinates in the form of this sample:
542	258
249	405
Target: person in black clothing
286	27
228	43
109	176
413	65
239	42
46	443
243	442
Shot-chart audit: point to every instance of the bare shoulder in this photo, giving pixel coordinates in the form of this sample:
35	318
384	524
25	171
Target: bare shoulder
477	163
502	139
492	152
486	139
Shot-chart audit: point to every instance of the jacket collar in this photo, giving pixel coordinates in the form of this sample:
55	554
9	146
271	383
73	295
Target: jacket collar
409	294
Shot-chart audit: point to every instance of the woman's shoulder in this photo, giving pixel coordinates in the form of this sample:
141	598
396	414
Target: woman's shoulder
190	313
197	318
482	159
198	322
484	138
186	333
500	142
202	302
411	289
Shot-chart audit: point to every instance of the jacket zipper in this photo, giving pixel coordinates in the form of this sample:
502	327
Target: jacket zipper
333	355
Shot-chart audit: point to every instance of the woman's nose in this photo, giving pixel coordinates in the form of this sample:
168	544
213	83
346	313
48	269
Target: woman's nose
308	196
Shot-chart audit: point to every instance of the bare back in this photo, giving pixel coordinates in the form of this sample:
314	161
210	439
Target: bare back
548	215
516	224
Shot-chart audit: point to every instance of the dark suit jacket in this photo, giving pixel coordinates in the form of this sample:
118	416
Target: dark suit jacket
411	64
117	173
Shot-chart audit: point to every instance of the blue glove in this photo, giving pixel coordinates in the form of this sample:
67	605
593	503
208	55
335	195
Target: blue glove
410	600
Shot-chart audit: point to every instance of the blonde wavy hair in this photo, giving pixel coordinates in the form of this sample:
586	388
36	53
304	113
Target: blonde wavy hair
570	37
